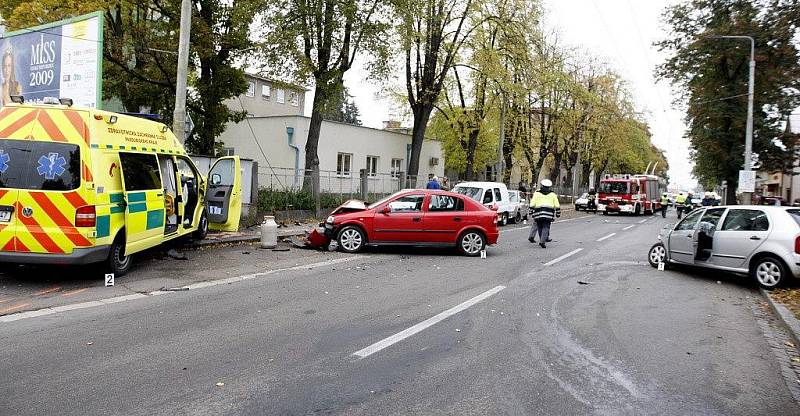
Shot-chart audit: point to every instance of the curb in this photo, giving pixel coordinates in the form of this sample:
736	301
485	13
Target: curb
241	239
786	317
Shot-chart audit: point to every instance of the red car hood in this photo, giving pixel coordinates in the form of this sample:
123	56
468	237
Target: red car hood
352	205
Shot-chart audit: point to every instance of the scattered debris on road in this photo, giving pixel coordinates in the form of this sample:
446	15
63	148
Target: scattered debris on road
581	282
177	255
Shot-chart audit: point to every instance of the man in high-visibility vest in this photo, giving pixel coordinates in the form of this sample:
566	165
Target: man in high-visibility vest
546	208
664	205
680	202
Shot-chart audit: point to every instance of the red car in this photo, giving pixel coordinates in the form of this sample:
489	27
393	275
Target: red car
419	217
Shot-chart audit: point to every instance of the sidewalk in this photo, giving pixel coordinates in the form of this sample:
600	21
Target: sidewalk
248	235
786	316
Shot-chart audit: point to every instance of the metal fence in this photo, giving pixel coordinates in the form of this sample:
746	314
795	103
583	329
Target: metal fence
333	186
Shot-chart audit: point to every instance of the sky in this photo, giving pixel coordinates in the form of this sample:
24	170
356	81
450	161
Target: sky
619	32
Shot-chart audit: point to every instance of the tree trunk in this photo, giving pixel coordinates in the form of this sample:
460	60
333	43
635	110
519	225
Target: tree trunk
311	173
730	191
555	174
472	145
587	170
422	113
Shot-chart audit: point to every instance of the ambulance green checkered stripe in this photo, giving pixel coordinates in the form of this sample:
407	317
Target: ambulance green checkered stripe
155	219
137	207
116	198
140	149
137	197
117	210
103	226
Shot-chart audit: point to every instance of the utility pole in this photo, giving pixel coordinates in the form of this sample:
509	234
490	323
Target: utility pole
179	115
500	160
748	138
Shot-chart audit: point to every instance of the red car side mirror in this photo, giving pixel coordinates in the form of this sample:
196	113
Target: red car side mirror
493	207
386	210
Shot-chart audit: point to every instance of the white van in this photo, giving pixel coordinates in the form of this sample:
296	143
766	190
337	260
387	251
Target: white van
489	193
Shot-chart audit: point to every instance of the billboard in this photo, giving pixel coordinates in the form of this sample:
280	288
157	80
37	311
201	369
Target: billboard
61	59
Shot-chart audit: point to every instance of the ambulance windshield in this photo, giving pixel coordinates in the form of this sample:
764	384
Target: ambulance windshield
43	166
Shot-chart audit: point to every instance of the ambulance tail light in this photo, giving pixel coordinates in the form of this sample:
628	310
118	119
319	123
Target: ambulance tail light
85	216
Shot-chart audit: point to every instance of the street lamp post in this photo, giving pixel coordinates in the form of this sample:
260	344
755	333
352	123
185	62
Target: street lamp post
748	138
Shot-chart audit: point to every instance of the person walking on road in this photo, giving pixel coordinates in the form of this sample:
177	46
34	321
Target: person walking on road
664	205
680	201
546	208
433	183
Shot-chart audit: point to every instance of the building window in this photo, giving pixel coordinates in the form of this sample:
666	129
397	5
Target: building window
294	98
280	95
343	164
372	165
251	89
397	167
265	92
227	151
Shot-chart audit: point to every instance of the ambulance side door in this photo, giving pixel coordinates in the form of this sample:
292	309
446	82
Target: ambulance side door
224	194
144	201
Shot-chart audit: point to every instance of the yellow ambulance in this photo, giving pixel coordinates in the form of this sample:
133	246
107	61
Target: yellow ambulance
81	185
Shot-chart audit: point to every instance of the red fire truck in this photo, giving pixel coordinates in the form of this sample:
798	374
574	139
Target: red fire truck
632	194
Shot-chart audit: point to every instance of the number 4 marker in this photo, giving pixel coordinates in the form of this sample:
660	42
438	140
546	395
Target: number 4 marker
661	267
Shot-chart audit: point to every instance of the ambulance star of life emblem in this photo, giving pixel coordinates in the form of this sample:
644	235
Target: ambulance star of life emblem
27	212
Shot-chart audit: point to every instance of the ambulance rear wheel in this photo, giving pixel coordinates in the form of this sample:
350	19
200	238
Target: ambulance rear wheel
118	262
202	227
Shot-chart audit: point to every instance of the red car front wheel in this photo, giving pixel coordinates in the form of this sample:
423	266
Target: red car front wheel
351	239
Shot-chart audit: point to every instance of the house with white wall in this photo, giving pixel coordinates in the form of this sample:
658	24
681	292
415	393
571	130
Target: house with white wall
274	135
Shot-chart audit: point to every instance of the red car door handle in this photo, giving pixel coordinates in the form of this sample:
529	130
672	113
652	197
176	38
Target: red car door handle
457	219
417	219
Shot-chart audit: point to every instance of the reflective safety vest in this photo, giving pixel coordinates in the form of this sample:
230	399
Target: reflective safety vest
545	206
680	199
664	200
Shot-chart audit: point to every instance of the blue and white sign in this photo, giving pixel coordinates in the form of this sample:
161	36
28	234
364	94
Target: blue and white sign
60	60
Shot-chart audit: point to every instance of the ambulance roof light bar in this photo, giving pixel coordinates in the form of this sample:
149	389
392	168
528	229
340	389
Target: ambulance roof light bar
65	101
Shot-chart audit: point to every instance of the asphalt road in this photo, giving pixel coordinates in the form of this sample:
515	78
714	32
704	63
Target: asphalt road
404	331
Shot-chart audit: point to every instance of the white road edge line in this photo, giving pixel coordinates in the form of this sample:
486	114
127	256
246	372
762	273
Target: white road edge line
387	342
124	298
606	237
629	227
558	259
642	221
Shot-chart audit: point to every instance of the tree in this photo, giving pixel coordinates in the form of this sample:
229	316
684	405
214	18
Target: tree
711	76
140	57
320	40
431	34
342	108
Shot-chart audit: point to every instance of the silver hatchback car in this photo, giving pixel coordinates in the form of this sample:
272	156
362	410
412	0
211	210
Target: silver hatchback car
762	241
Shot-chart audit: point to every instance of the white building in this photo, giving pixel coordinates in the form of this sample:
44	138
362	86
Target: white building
275	132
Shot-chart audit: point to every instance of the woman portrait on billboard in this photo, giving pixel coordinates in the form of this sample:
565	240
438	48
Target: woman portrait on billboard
10	85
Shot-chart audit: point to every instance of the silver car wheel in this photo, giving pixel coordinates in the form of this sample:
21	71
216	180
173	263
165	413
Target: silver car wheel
472	243
350	239
658	254
768	273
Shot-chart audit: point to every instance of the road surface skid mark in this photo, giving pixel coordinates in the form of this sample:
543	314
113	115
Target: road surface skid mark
387	342
134	296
